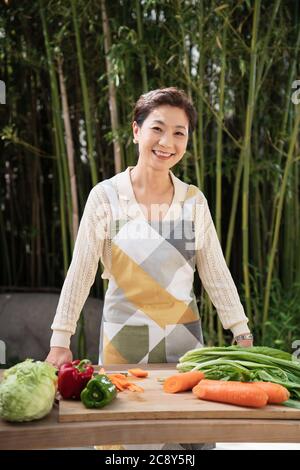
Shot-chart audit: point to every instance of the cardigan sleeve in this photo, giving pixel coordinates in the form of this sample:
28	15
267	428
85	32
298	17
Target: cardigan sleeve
88	250
214	273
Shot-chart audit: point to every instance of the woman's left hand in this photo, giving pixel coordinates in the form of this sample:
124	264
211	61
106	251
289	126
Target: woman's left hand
245	343
245	340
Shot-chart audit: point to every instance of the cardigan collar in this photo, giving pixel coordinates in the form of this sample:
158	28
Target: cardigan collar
125	190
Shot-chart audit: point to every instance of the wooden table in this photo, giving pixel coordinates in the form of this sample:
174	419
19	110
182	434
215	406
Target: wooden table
49	433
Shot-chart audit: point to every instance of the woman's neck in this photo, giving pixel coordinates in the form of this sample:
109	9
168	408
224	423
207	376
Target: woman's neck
149	180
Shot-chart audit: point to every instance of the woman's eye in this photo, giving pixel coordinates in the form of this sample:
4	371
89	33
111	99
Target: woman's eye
158	128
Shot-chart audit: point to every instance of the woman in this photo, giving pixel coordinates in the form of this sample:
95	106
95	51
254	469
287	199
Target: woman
150	230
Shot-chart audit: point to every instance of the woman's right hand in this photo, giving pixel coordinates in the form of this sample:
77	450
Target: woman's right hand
59	356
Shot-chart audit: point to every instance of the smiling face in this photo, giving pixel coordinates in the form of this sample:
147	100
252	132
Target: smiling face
163	137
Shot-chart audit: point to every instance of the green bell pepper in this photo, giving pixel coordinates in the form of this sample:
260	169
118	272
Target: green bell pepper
99	392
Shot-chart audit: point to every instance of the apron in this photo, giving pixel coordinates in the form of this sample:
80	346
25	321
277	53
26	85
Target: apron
150	314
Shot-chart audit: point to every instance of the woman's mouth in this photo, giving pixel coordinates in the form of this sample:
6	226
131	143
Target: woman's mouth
162	155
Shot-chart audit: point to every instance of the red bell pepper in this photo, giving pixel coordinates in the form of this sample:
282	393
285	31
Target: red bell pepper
73	377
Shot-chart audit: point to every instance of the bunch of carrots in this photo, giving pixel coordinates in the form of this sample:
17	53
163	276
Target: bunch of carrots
121	381
253	394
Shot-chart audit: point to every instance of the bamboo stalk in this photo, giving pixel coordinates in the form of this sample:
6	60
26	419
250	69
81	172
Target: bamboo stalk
139	21
187	76
200	162
247	157
234	204
265	62
288	241
53	228
49	231
70	149
219	146
81	346
288	165
5	253
244	163
85	97
257	242
59	144
219	151
113	108
36	223
215	115
283	129
297	222
208	308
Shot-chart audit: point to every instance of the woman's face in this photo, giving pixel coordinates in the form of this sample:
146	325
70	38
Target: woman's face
169	135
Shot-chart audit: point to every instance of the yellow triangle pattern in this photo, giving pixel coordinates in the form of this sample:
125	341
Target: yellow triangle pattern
146	294
191	192
110	354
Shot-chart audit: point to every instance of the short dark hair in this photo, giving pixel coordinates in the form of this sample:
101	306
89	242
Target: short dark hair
171	96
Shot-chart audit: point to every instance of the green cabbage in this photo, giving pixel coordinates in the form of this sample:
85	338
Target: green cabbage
27	391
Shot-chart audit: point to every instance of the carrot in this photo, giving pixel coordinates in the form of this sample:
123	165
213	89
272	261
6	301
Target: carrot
118	383
138	372
236	393
121	382
118	376
276	392
182	382
209	382
135	388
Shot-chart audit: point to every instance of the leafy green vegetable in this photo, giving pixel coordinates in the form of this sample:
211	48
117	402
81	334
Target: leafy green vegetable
257	363
292	404
27	391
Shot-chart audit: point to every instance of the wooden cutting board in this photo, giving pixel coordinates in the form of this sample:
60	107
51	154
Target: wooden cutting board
154	403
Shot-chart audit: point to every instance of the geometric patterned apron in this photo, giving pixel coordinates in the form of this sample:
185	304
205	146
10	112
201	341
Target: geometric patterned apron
150	314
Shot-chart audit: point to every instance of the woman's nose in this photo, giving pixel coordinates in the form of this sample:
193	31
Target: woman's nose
166	140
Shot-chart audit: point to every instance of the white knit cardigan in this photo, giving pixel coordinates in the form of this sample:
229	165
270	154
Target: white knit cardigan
92	245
